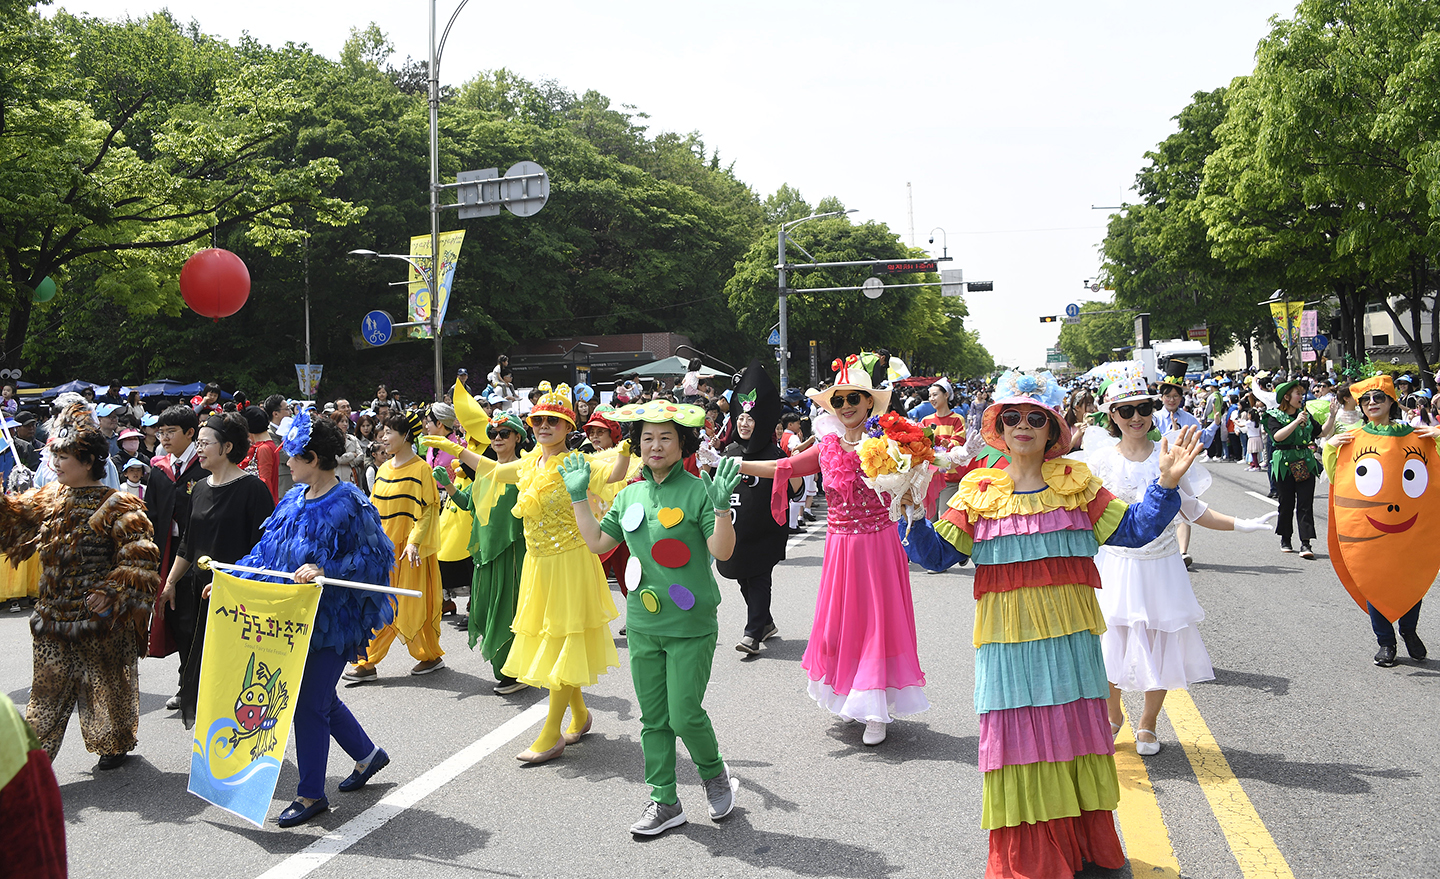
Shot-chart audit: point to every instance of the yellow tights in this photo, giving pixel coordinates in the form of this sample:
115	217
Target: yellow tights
560	699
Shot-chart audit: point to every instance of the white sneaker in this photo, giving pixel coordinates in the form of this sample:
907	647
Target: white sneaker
1147	749
874	732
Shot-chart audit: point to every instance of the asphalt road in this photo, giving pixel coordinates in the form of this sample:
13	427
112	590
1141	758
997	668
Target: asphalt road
1331	752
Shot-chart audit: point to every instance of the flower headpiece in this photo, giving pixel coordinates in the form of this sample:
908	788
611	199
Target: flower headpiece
298	436
1015	389
842	367
554	401
747	400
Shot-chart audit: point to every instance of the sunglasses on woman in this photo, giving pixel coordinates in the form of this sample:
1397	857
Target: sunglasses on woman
537	420
1374	397
1034	418
503	433
853	398
1128	411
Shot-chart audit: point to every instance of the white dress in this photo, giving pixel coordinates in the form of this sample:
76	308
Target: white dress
1151	641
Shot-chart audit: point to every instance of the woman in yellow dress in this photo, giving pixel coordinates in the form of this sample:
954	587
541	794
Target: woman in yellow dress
409	505
562	617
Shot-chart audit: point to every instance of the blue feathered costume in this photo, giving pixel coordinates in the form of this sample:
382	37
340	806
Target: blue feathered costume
339	532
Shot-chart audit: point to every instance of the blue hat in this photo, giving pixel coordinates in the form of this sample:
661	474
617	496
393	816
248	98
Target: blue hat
1406	378
104	409
135	462
10	422
149	420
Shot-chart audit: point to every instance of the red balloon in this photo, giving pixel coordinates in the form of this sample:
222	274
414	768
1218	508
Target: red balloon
215	283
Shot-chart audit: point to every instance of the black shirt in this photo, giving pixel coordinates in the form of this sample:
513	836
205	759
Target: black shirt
225	521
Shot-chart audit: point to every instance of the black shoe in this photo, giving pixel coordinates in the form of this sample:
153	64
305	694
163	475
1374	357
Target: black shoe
1273	495
1385	658
1414	646
1285	546
794	531
1306	552
111	761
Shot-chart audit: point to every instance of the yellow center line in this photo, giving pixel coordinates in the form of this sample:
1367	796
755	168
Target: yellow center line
1249	840
1147	843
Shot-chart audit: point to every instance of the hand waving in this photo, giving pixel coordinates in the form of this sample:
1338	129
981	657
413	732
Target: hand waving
575	470
1176	457
720	487
442	443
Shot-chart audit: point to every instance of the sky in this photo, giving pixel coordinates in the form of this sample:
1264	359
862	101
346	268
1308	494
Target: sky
1000	123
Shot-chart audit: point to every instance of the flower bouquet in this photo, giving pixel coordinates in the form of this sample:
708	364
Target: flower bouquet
893	456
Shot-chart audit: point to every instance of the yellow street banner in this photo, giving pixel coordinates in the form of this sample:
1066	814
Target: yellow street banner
1287	317
420	298
256	639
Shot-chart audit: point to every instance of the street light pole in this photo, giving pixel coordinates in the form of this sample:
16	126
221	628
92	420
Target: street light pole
785	295
435	204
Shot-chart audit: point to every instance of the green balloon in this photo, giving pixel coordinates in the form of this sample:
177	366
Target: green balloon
45	290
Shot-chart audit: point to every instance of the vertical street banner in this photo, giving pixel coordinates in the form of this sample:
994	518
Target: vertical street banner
256	640
1287	317
420	299
308	376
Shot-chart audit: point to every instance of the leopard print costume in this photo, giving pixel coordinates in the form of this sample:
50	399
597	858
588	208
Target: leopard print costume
91	539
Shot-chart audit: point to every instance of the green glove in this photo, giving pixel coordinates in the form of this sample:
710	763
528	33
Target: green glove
727	476
575	470
443	443
442	476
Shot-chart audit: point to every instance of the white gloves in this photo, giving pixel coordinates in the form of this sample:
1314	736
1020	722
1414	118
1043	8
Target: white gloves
1264	523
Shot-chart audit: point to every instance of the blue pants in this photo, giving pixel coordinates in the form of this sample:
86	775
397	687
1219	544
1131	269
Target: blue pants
1385	632
319	715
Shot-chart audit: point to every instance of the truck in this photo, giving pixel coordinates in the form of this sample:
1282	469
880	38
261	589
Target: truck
1154	359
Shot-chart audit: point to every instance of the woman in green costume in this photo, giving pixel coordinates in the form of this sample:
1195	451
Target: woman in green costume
1293	465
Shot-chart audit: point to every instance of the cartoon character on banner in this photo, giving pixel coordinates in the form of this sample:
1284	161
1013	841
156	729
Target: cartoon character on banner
262	697
1383	517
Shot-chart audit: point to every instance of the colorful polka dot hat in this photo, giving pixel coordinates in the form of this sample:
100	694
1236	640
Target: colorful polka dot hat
683	414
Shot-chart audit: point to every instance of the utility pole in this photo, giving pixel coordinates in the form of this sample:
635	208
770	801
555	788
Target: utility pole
910	199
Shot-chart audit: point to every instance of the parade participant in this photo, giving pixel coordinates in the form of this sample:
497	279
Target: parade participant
1377	548
173	475
757	407
673	522
326	528
1040	685
498	548
409	506
227	510
563	611
64	414
262	459
949	430
1151	641
98	580
862	659
1293	465
34	833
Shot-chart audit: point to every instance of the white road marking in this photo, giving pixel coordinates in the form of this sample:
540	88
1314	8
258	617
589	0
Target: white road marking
1269	500
314	856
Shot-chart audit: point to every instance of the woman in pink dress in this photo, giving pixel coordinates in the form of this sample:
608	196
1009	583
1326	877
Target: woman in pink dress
862	658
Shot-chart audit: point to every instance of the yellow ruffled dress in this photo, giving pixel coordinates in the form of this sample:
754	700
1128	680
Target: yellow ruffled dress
564	609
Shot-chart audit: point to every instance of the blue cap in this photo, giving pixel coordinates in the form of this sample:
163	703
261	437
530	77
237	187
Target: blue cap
1406	378
135	462
149	420
104	409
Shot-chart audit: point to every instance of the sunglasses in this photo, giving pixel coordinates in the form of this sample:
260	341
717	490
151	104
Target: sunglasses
552	420
1129	411
853	398
1374	397
500	434
1034	418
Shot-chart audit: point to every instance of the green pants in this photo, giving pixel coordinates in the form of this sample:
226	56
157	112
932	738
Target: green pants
670	676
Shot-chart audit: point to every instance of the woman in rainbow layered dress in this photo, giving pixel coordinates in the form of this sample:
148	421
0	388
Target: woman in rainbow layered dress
1152	640
862	658
562	615
1040	685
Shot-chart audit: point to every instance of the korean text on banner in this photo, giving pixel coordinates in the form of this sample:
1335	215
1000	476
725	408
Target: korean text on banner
1287	317
256	641
308	376
420	298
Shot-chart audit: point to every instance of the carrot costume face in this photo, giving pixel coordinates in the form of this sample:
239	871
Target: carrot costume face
1385	517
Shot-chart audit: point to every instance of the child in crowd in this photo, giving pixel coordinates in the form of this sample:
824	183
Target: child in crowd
1254	438
134	478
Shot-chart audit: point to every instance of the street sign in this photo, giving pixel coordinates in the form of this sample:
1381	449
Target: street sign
523	191
1072	320
903	266
952	282
377	327
1072	310
874	288
774	338
1320	343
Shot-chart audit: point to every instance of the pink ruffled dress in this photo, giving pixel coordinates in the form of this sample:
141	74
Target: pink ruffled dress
862	659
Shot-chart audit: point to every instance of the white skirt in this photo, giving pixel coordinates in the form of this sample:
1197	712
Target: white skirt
866	705
1151	641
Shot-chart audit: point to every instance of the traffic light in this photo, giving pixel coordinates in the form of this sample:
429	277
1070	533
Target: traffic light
1049	318
980	286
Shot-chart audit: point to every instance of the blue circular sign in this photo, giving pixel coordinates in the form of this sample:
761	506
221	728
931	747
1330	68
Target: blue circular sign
377	327
1319	343
1072	310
